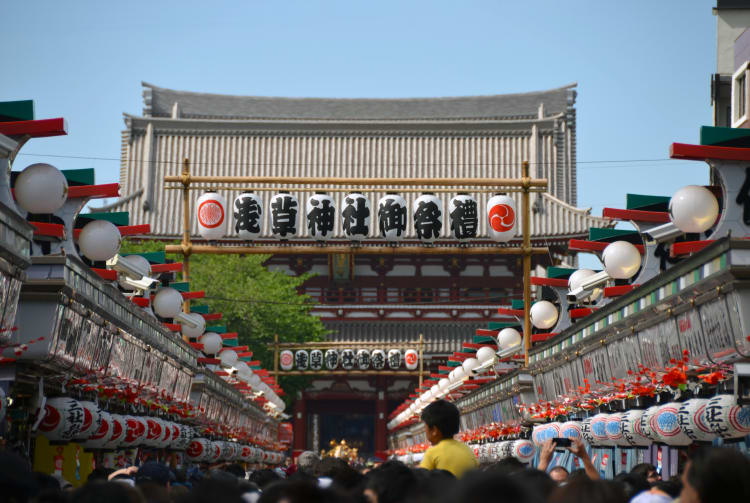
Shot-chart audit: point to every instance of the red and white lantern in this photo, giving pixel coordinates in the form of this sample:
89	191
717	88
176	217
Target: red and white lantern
501	218
614	430
645	424
666	425
411	359
99	438
199	449
92	419
523	450
726	418
63	419
211	212
571	430
286	360
154	432
216	452
693	421
119	427
631	428
136	431
599	430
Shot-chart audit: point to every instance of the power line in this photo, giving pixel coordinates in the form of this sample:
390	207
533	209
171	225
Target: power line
312	304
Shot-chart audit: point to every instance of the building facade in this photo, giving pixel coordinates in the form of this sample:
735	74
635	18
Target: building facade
395	298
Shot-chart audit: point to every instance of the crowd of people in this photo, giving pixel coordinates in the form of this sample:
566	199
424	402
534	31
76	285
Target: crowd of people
449	473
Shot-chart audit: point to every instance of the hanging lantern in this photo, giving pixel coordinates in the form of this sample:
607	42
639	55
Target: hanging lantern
543	314
693	420
301	359
377	359
666	425
283	215
469	365
355	216
571	430
198	450
392	217
538	434
599	430
464	214
63	419
523	450
154	433
726	418
332	359
347	359
193	332
631	428
586	431
212	343
394	359
363	359
136	262
212	216
216	451
411	359
316	359
166	436
506	448
118	431
136	431
320	211
248	216
501	218
41	188
167	302
427	212
622	260
92	420
175	433
286	360
246	454
99	240
102	435
645	424
578	277
613	426
187	433
693	209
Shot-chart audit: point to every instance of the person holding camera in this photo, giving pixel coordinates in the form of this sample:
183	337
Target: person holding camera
559	473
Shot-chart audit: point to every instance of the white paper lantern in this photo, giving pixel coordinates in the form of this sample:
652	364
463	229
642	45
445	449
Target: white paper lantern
301	359
392	217
283	215
248	216
726	418
538	434
666	425
320	211
486	354
427	212
621	260
210	208
377	359
571	430
363	359
228	357
501	218
198	450
167	302
254	381
614	430
99	240
508	338
102	435
175	428
543	314
523	450
693	209
435	390
316	359
41	188
154	433
469	365
63	419
586	431
119	427
136	431
411	359
212	343
394	359
631	428
693	421
578	277
216	452
599	430
348	359
246	454
332	359
464	215
137	262
197	331
92	419
645	423
286	360
166	435
355	216
187	433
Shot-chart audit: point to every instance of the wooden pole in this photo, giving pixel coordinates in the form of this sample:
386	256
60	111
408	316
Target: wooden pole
314	249
380	182
186	232
421	361
276	357
526	209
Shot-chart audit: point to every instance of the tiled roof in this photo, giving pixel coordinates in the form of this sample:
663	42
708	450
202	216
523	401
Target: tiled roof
159	102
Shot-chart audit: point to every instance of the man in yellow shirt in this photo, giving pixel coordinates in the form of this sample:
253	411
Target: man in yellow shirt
441	421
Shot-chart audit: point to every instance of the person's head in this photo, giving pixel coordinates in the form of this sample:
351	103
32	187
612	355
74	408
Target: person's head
236	470
648	471
441	420
154	492
634	483
16	480
264	477
153	472
298	491
306	461
536	481
488	487
585	490
505	466
111	492
338	471
99	473
392	482
716	475
559	474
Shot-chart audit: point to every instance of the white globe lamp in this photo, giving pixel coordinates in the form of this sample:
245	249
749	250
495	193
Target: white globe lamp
508	338
228	357
486	354
444	383
211	343
693	209
242	369
543	314
167	302
621	260
137	262
575	280
197	331
469	365
41	188
99	240
460	374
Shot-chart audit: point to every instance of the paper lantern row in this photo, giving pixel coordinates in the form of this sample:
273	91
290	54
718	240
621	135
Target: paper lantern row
209	451
320	216
489	452
675	424
348	359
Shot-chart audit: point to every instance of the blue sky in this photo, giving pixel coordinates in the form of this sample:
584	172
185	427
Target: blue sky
643	67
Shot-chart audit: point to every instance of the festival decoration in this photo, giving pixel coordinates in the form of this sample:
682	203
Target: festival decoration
119	427
332	359
508	338
464	215
544	314
411	359
136	431
212	343
523	450
99	240
355	216
301	359
198	450
501	218
693	209
228	357
41	188
693	420
576	279
621	260
321	216
92	420
135	262
727	419
392	217
210	208
666	425
316	360
631	428
103	433
286	360
167	302
193	332
428	217
394	359
283	215
63	419
347	359
363	359
248	216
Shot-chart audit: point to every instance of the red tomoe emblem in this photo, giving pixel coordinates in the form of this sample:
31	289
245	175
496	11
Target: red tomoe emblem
101	432
195	449
175	432
154	429
88	418
210	213
502	217
286	359
51	418
116	429
410	358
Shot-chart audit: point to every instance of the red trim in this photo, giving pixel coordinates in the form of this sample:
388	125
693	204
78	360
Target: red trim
616	291
229	335
174	327
212	316
482	380
140	301
245	354
177	266
486	333
103	190
470	386
703	152
35	129
236	349
125	230
209	361
509	312
221	373
584	245
443	367
50	230
685	247
474	345
107	274
193	295
542	337
196	345
260	372
437	376
464	355
660	217
580	312
257	362
535	280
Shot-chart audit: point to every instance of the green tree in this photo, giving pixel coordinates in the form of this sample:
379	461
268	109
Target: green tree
255	302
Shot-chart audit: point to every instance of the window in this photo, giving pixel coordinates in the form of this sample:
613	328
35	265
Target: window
739	96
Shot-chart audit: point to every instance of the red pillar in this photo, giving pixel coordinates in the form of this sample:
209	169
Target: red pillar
381	416
300	425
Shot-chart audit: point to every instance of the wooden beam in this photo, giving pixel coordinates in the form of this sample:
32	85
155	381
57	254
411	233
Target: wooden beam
405	373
